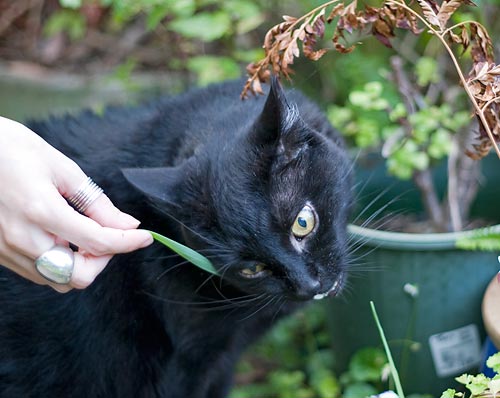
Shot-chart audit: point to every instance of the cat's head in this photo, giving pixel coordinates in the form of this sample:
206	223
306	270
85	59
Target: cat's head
268	203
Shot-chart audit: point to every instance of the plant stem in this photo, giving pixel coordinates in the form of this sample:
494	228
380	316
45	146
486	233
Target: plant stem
423	180
455	216
394	371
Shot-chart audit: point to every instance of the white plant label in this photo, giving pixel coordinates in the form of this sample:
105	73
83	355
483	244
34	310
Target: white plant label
455	351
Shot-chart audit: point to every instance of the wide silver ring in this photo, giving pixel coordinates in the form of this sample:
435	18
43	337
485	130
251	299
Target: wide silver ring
85	195
56	265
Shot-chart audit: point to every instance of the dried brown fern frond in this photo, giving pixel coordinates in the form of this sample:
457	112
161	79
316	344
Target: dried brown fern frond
284	41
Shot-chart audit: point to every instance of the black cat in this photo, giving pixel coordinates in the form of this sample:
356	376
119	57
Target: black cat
261	187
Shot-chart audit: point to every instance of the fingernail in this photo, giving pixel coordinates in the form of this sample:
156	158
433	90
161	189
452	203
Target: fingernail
149	239
129	220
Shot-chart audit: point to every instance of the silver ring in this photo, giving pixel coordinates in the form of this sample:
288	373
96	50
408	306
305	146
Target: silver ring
56	265
85	195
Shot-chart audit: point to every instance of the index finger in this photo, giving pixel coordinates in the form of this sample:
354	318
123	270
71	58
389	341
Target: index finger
88	234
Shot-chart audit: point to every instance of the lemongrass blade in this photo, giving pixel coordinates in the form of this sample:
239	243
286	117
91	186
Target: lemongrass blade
394	371
189	254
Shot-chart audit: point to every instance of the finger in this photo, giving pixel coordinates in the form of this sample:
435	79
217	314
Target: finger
67	223
25	267
29	241
86	268
106	214
102	209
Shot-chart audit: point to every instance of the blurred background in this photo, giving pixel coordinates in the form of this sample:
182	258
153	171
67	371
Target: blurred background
59	56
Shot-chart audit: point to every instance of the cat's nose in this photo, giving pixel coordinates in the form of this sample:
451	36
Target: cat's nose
308	289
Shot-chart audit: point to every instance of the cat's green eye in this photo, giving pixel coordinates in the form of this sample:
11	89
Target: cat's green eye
255	271
304	222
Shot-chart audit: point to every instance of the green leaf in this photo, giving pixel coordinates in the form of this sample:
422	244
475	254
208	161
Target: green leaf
250	55
359	390
478	384
367	364
74	4
449	393
426	70
361	99
463	379
493	361
246	13
204	26
187	253
439	144
486	239
339	116
67	21
177	9
398	112
211	69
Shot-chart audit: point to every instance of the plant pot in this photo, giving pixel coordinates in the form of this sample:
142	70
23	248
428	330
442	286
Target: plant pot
427	293
435	331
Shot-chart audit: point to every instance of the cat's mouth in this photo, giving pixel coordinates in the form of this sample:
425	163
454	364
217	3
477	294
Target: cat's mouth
333	291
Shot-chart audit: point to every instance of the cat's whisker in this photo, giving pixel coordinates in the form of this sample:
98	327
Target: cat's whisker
218	304
172	268
364	266
282	300
223	271
262	307
207	279
204	238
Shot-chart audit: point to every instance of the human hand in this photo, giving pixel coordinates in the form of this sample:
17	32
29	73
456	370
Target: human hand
34	216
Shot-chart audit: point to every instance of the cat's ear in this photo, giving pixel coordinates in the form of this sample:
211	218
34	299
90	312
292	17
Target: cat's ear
276	116
158	183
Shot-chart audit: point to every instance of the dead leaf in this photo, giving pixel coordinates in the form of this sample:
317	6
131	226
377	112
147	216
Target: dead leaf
429	12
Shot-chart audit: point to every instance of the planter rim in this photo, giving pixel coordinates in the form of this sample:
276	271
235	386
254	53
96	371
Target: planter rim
409	241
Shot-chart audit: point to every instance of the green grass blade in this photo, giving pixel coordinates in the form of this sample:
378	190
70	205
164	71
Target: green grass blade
394	371
189	254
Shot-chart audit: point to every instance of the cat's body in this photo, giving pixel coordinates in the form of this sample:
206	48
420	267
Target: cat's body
233	177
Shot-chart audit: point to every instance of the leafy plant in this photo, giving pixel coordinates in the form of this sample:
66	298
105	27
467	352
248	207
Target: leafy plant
479	385
211	39
295	360
418	127
486	239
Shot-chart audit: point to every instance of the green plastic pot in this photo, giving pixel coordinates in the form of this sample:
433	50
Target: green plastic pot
428	296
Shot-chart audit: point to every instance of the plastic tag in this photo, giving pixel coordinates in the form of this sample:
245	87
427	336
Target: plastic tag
455	351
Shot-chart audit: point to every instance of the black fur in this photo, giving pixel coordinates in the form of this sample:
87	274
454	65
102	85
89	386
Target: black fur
225	176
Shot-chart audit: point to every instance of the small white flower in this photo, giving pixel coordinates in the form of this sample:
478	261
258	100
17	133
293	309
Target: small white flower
386	394
411	289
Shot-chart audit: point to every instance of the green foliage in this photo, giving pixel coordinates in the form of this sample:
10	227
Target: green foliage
74	4
493	362
66	21
206	26
367	364
210	69
373	118
301	363
194	22
485	239
478	385
427	72
475	384
359	390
